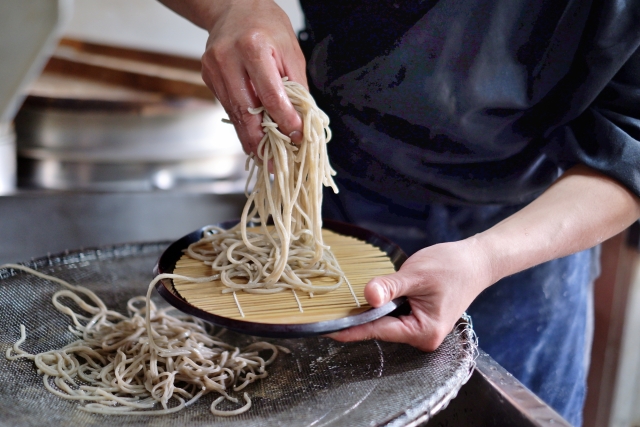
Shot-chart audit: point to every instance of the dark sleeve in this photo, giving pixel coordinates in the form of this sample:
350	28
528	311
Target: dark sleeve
606	136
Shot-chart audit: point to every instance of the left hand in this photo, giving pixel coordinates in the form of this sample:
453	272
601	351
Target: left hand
440	282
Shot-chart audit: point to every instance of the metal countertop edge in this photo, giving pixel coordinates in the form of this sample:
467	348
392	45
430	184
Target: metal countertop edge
513	391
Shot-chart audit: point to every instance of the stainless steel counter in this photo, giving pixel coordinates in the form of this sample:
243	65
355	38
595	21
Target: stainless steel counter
35	223
494	398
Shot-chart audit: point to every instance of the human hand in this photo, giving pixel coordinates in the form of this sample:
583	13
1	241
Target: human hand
440	282
251	46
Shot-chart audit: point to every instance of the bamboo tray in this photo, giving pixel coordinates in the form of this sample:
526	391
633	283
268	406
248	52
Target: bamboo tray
361	253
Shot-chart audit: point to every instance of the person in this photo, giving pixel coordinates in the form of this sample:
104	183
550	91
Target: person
496	141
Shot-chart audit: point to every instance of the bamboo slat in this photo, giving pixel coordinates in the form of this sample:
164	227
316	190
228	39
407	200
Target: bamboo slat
359	260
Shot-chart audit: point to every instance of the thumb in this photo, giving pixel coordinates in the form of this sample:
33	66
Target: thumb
381	290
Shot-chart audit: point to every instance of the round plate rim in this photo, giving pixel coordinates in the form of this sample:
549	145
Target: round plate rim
167	261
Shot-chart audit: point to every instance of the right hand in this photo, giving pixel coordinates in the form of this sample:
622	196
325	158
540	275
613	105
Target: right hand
251	46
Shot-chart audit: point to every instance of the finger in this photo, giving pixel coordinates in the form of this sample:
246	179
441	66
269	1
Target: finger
241	98
212	76
217	86
380	290
234	91
405	329
293	65
267	81
295	70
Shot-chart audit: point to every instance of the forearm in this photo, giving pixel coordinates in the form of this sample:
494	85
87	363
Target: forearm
580	210
203	13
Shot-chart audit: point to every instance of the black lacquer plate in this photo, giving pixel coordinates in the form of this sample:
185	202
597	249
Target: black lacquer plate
172	254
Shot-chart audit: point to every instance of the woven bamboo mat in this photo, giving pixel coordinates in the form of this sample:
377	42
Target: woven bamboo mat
359	260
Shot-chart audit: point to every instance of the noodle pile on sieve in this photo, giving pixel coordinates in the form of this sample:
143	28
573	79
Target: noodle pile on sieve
286	255
128	364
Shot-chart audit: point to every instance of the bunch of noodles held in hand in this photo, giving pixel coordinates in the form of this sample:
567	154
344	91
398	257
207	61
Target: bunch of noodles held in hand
286	255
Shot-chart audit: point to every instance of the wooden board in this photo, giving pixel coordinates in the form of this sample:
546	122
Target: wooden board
359	260
148	71
150	57
57	86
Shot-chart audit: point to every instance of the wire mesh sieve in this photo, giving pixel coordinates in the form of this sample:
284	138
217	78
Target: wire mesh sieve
321	383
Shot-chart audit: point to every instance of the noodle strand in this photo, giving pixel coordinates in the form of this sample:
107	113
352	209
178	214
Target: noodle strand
128	364
286	255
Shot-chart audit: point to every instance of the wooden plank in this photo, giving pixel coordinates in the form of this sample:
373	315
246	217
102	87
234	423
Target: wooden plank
129	72
174	61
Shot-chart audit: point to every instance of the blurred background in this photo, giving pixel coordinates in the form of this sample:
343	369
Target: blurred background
146	24
107	132
109	135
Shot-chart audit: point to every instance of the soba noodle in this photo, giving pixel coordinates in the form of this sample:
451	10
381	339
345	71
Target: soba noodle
128	364
289	253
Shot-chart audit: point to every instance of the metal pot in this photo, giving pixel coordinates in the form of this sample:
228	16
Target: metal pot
92	136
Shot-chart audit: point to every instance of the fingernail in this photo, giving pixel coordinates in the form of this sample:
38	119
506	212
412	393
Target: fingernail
296	137
379	291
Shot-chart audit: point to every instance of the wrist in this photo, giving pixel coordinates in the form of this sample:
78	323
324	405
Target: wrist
203	13
210	12
487	268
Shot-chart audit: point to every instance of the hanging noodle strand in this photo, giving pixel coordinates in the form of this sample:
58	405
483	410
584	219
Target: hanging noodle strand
288	254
